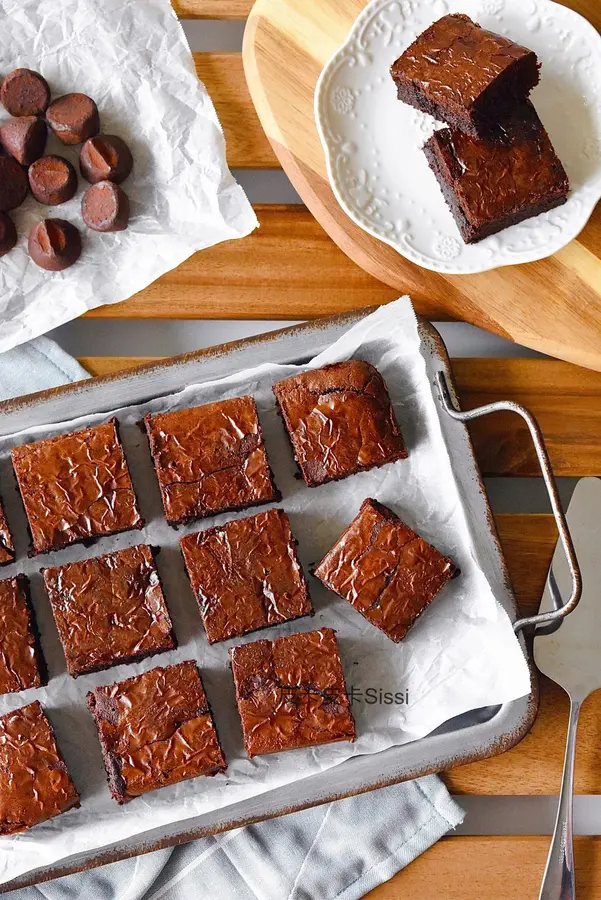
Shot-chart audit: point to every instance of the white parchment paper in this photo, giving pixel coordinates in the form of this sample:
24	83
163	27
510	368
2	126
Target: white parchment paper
134	60
462	654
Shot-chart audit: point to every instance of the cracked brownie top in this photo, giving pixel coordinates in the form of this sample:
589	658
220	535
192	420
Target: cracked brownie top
21	662
291	692
34	782
340	420
210	459
155	729
385	570
76	487
109	609
246	575
7	547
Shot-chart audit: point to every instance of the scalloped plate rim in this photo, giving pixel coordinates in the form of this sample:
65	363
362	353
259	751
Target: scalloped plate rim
589	203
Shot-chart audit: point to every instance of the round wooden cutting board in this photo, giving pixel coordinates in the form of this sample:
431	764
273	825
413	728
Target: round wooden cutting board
553	305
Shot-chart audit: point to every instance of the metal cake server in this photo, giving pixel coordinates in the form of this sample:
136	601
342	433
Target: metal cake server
570	655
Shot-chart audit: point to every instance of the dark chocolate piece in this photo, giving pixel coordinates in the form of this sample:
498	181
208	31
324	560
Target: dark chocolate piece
246	575
54	244
109	610
385	570
8	234
291	693
492	183
462	74
52	180
339	420
105	207
73	118
210	459
7	547
155	729
24	138
34	782
22	665
76	487
13	184
25	93
105	157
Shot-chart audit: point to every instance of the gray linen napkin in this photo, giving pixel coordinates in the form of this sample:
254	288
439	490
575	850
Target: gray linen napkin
338	851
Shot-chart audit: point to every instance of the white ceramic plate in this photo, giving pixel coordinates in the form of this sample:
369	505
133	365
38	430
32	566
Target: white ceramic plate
373	142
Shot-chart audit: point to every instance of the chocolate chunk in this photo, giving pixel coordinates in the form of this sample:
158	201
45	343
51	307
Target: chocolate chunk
54	244
105	207
8	235
73	118
25	93
52	180
24	138
105	158
13	184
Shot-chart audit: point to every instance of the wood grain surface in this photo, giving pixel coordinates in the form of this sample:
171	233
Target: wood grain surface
553	305
246	143
212	9
286	269
489	868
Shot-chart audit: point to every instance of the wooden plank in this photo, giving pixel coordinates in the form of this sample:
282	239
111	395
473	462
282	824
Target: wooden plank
246	143
286	269
212	9
479	868
565	399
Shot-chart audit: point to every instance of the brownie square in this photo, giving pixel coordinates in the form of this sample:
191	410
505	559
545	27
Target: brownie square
155	729
22	665
210	459
291	693
462	74
34	782
109	610
246	575
492	183
76	487
385	570
339	420
7	547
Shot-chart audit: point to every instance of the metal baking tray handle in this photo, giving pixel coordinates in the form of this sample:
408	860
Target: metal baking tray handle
555	615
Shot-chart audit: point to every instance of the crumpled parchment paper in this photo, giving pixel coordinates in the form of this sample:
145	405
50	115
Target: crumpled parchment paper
462	653
134	60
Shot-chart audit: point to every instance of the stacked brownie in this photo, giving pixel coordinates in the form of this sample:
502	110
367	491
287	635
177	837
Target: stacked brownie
494	161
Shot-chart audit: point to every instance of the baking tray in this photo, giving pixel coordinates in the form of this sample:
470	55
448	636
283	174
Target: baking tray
473	736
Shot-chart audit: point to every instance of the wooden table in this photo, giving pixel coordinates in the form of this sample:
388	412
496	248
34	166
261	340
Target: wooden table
289	268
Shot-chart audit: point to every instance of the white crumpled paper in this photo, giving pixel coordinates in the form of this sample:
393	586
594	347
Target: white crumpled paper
133	59
462	654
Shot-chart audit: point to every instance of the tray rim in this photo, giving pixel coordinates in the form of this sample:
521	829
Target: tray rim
515	718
